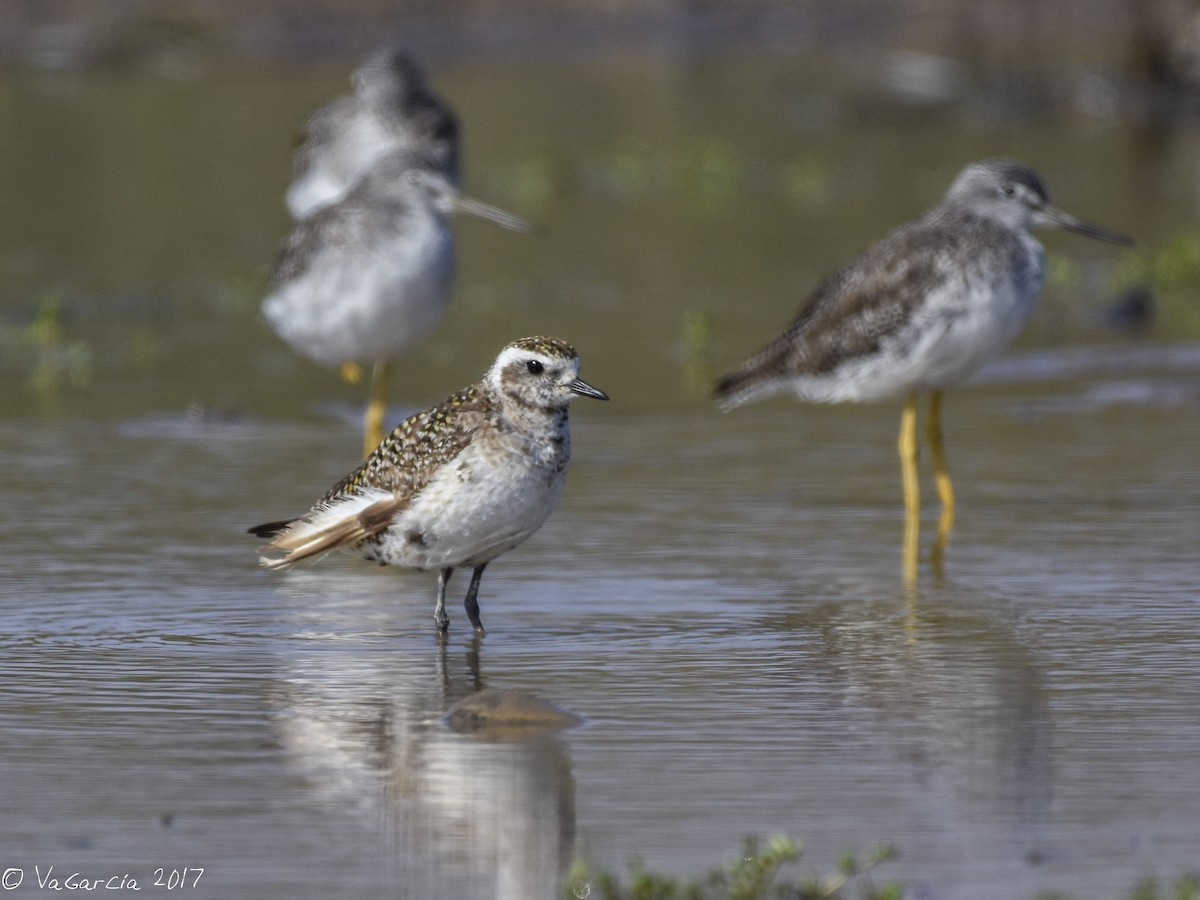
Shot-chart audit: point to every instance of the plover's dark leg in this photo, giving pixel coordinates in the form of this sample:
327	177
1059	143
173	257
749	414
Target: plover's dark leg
439	611
472	602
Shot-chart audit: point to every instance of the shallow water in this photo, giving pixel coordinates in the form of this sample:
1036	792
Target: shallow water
718	596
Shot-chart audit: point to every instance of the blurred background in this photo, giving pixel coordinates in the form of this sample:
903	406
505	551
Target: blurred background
694	167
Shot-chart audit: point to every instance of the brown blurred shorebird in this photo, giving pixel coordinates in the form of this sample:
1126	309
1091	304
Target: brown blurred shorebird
456	485
919	311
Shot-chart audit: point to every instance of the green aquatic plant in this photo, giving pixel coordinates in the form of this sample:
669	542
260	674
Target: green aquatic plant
757	874
807	183
1063	274
50	360
1172	273
697	334
1184	887
707	172
704	173
754	875
1177	265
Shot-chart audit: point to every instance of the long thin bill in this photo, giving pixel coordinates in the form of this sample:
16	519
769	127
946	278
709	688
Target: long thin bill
583	389
472	207
1056	218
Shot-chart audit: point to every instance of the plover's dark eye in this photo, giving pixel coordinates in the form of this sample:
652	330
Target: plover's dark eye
1008	190
535	367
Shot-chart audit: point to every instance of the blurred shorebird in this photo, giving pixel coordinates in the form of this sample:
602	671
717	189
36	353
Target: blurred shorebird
456	485
391	108
362	280
919	311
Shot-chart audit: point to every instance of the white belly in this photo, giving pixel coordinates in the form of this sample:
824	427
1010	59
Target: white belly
476	508
368	305
959	328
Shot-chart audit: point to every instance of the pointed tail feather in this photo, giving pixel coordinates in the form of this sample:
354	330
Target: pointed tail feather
725	391
738	387
269	529
341	522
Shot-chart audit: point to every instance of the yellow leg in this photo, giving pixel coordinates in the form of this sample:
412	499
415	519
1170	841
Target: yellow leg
351	372
373	426
907	446
941	474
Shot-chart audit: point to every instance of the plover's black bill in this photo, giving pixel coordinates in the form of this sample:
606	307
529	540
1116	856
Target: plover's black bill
583	389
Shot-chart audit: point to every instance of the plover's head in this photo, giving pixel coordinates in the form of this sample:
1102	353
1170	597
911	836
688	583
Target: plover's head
540	372
1012	195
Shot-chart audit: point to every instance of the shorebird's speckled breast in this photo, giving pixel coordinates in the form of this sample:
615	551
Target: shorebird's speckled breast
956	326
496	492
